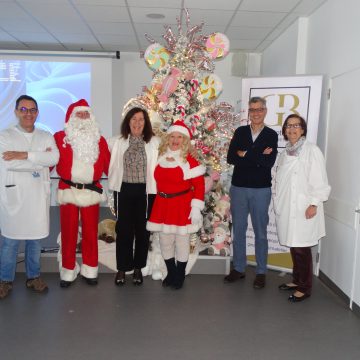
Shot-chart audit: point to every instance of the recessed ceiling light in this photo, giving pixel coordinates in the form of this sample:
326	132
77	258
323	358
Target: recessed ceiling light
155	16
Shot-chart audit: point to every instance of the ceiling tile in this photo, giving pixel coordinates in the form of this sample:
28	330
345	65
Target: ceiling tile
307	7
252	18
210	17
266	5
46	46
34	37
24	25
250	33
10	10
5	37
173	4
116	39
153	29
139	15
104	13
40	10
209	29
210	5
101	2
36	2
287	21
76	39
120	28
57	26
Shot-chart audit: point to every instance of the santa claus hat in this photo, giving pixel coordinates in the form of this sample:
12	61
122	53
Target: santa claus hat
81	105
179	126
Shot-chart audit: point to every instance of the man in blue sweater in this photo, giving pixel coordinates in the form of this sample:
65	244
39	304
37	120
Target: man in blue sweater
252	151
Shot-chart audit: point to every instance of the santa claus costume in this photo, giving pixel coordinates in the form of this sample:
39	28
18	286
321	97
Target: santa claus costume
84	157
177	208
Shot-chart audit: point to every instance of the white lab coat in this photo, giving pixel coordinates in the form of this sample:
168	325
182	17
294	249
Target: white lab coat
25	184
300	181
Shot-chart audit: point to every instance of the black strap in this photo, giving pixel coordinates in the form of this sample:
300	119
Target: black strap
168	196
91	186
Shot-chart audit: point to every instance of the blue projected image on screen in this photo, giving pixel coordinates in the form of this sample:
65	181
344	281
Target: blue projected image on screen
54	85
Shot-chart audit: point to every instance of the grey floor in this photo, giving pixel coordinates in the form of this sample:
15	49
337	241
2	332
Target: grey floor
205	320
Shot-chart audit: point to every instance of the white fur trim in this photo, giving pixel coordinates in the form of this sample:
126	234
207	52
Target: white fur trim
90	272
67	274
164	163
178	128
169	164
198	203
81	108
84	197
81	172
173	229
194	172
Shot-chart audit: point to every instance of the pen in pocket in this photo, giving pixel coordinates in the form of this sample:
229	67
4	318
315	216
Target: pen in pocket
9	185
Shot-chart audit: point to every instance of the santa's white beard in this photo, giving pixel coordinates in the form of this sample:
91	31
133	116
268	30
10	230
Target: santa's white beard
83	135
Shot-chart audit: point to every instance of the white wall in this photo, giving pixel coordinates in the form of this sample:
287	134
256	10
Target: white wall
332	50
280	58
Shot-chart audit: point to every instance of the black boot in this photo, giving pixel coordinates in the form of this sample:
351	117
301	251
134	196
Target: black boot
171	269
180	275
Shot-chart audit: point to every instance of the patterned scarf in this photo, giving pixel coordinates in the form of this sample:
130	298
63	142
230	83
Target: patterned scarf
294	150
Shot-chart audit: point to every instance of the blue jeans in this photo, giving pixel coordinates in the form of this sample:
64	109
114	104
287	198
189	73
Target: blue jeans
253	201
8	256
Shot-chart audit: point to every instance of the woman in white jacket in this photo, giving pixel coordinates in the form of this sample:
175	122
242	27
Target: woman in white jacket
301	187
131	176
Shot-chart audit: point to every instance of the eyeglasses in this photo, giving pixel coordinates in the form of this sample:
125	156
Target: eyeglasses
258	110
293	126
25	110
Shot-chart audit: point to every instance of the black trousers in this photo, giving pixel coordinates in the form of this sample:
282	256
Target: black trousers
133	207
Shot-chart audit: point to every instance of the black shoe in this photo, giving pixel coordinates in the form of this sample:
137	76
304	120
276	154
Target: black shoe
293	298
65	284
180	275
287	287
120	278
171	272
234	276
259	282
91	281
137	277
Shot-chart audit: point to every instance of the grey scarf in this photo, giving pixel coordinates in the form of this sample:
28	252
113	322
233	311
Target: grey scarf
294	150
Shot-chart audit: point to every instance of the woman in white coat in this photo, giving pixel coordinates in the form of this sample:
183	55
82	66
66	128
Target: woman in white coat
131	176
301	187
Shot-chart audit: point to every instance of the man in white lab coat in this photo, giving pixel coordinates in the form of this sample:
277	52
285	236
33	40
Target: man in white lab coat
25	156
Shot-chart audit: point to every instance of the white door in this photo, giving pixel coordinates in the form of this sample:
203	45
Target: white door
339	248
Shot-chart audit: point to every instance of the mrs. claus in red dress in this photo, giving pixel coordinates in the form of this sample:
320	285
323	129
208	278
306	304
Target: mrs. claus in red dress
177	208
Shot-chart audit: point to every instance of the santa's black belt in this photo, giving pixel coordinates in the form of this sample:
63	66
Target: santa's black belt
91	186
168	196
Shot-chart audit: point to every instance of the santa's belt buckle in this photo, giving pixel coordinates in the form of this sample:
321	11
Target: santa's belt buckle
80	186
164	195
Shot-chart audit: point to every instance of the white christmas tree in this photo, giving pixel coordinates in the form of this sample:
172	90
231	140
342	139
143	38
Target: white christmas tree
184	87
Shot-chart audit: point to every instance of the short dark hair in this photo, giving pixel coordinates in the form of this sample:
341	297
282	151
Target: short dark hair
256	99
302	123
125	126
25	97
